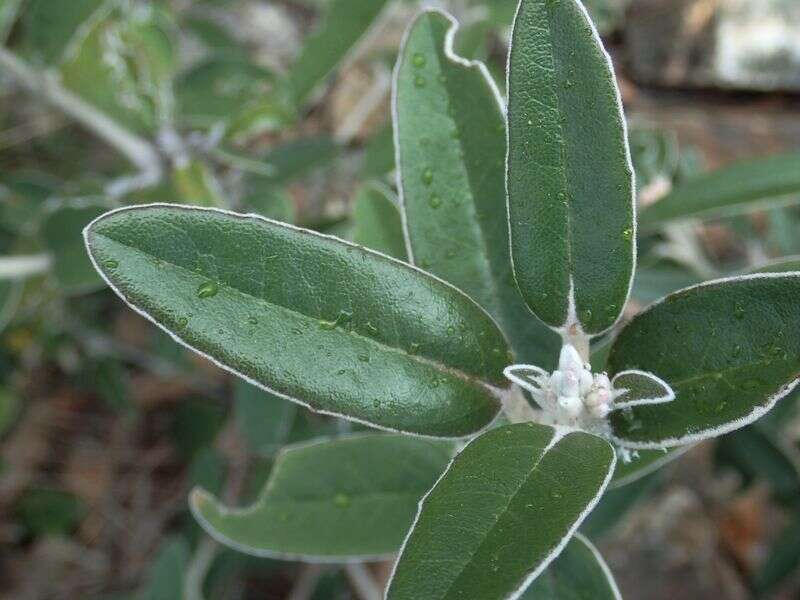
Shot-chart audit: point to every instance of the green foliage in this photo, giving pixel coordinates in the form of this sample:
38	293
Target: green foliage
570	202
370	355
332	500
520	229
501	513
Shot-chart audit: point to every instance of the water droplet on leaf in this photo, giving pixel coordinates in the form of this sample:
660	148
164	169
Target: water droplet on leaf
208	289
111	264
418	60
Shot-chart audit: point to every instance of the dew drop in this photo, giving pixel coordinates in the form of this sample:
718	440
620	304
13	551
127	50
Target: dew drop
420	81
414	348
427	176
341	500
418	60
252	320
627	235
363	357
737	350
208	289
586	315
435	201
450	330
111	264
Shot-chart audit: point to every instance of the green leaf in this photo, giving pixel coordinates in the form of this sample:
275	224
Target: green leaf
195	184
785	264
9	407
9	10
166	575
578	573
570	179
782	561
336	327
264	419
331	500
738	188
96	69
61	233
640	388
377	222
10	296
47	28
49	512
345	23
503	510
642	463
759	454
299	157
450	135
728	350
616	504
218	88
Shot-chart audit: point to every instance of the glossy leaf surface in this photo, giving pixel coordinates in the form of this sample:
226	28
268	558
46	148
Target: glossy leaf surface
332	500
728	349
450	144
334	326
503	510
570	179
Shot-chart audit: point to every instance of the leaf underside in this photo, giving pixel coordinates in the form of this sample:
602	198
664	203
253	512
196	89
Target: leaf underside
332	500
578	573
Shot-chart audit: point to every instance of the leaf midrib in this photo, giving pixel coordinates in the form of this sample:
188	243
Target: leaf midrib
510	499
383	346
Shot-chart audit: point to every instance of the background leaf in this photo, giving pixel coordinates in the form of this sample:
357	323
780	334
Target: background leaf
332	500
377	222
60	231
345	24
570	199
734	189
578	573
332	325
450	130
501	512
727	349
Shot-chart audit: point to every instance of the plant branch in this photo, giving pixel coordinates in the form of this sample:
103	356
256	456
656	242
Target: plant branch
306	583
27	265
137	150
363	582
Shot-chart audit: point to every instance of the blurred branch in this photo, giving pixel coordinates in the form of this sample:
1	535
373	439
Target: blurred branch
363	582
306	583
136	149
17	267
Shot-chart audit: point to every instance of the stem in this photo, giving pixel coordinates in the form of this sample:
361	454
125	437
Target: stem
18	267
198	568
363	582
306	584
136	149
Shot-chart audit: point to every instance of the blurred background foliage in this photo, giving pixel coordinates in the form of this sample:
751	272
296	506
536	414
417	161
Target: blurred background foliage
282	108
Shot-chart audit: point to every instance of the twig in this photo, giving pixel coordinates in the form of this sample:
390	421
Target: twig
27	265
137	150
306	583
363	582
